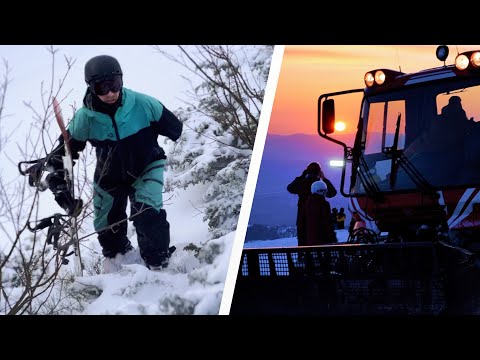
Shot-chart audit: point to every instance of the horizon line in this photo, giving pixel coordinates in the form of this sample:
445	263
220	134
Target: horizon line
291	134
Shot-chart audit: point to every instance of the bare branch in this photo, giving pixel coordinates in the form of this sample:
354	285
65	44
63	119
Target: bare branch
226	94
29	267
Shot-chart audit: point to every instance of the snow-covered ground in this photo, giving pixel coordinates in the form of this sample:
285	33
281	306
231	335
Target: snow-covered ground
191	284
342	236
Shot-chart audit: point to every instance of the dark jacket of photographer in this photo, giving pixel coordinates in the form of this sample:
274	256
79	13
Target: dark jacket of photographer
301	186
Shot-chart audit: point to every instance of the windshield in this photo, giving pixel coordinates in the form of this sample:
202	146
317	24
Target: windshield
438	138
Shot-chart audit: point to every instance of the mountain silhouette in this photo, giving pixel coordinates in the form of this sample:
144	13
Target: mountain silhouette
284	158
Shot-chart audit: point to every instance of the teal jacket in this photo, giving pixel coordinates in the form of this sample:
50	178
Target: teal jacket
125	137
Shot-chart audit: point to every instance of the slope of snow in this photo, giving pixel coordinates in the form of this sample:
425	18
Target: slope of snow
191	284
342	236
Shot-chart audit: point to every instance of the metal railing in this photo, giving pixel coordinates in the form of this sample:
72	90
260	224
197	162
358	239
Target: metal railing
361	279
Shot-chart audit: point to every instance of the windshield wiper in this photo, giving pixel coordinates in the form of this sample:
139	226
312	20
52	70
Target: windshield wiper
419	180
400	160
393	153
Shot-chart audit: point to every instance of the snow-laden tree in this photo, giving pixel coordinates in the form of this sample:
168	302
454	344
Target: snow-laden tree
221	117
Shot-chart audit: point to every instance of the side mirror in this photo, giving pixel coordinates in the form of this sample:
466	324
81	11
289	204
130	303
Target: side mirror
328	116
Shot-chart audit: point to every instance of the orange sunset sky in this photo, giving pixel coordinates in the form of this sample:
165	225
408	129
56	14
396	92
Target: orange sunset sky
311	70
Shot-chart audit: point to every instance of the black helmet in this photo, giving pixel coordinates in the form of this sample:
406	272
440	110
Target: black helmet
100	67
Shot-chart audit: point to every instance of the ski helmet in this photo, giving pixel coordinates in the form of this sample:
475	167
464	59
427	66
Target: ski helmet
100	67
319	187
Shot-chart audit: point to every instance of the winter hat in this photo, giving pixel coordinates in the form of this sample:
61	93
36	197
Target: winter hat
319	187
314	167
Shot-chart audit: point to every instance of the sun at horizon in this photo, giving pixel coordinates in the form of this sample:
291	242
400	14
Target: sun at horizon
340	126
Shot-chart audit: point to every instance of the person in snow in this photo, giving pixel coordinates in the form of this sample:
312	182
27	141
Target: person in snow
301	186
340	219
123	126
319	227
333	218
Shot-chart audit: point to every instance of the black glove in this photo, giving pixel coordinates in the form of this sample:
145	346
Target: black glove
72	206
309	174
56	181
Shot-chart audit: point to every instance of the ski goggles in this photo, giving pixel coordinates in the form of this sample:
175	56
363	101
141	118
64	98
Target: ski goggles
104	86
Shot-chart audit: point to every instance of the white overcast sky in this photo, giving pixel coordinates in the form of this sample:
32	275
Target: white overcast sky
145	70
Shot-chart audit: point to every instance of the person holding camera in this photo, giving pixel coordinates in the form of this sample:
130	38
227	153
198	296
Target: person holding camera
301	186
